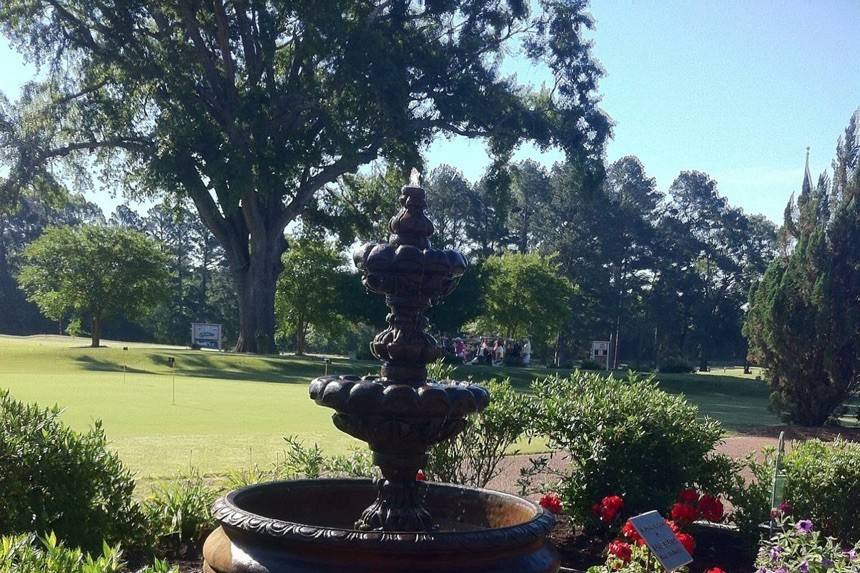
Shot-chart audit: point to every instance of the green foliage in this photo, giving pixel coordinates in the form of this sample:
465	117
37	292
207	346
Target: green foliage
54	479
794	549
525	296
24	554
624	437
822	484
93	271
473	457
307	290
252	115
804	321
180	510
305	462
675	365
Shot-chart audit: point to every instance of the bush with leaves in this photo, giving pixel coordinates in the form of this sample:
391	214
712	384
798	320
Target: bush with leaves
823	484
473	457
625	437
56	480
179	511
27	554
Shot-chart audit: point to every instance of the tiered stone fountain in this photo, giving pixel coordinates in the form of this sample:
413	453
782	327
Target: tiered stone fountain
397	523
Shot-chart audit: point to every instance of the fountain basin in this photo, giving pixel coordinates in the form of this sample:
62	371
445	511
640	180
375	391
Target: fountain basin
307	525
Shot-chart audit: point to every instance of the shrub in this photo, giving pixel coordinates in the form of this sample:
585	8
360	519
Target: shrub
54	479
591	365
473	456
179	511
675	365
24	554
800	546
624	437
823	484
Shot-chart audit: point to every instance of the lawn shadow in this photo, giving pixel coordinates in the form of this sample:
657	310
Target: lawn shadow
105	365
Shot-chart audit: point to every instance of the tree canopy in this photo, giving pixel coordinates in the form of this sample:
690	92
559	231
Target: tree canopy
251	107
93	272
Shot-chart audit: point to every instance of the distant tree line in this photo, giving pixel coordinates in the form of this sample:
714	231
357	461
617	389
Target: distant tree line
196	283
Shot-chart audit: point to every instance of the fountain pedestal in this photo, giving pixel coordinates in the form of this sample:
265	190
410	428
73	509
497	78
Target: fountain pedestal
396	524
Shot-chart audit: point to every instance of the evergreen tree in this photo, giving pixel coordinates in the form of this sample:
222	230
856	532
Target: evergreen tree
804	318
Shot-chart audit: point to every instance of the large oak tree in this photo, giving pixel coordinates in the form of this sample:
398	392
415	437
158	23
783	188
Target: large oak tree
250	107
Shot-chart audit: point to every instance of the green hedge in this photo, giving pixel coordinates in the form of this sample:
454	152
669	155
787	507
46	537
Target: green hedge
57	480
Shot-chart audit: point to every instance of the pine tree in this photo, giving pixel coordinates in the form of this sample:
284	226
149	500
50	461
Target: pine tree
804	319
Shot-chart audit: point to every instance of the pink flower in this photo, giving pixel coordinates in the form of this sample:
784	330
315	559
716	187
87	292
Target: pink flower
551	502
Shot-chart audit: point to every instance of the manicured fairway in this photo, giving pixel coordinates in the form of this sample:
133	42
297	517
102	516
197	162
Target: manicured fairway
234	409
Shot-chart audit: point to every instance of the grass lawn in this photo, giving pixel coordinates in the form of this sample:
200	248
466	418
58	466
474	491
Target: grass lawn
232	410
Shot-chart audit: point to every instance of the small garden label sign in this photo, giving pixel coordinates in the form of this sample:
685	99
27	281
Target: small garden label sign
660	540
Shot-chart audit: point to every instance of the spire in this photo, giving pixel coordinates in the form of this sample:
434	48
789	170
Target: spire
807	177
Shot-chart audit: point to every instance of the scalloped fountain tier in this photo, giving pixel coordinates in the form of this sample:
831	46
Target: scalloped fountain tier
395	523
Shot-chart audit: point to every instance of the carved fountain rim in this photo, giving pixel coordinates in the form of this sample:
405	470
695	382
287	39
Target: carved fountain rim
229	515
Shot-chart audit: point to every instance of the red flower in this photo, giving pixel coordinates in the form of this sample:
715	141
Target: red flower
673	526
620	550
689	496
715	570
420	476
683	512
630	533
687	541
610	506
711	508
551	502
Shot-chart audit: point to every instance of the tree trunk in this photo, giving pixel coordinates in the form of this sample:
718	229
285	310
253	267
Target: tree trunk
255	284
96	332
300	338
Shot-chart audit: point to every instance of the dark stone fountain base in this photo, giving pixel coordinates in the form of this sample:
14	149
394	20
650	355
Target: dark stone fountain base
307	525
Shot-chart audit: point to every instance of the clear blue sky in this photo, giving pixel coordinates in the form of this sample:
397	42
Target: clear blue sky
734	88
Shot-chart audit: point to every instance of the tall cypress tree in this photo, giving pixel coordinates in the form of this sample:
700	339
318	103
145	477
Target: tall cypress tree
804	318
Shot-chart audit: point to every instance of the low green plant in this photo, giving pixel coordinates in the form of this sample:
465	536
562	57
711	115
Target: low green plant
27	554
675	365
823	484
56	480
591	365
800	546
626	437
301	461
179	510
473	457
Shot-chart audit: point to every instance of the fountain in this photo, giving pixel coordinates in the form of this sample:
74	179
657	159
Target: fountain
395	523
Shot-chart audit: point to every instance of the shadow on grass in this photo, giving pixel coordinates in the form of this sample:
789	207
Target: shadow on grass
105	365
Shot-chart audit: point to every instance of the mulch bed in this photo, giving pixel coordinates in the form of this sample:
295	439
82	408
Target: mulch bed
715	547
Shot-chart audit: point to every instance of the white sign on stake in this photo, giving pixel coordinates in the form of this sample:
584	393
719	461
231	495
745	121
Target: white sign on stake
206	335
660	540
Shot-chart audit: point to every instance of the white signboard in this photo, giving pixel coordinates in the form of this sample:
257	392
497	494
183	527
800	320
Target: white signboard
660	540
206	335
600	351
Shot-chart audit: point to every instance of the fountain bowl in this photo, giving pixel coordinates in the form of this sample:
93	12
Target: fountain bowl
301	526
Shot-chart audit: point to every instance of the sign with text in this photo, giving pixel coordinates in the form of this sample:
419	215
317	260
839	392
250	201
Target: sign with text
206	335
660	540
